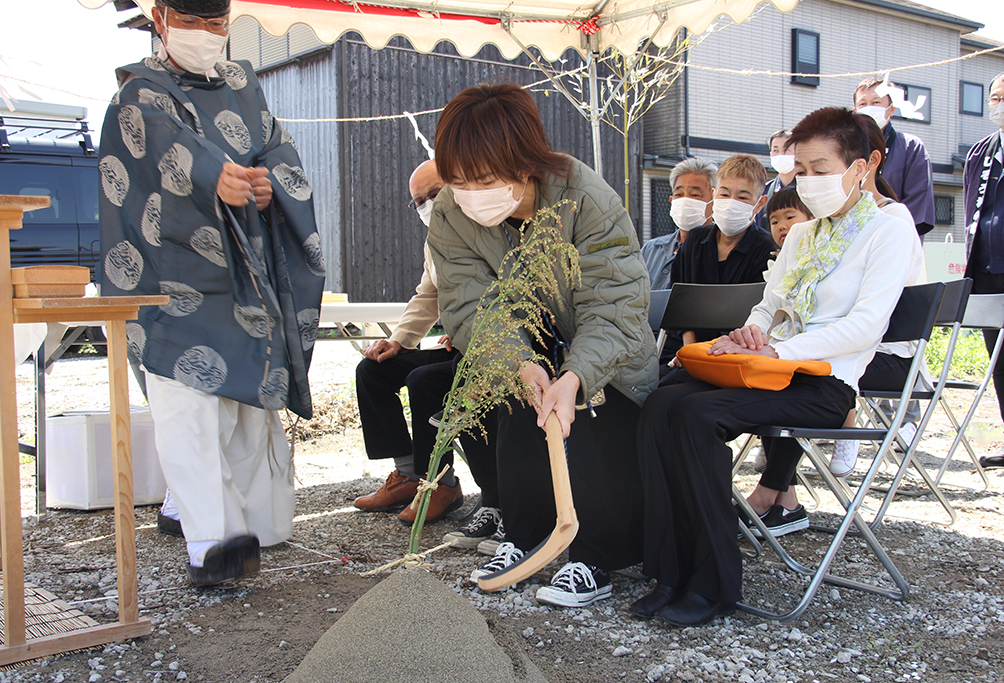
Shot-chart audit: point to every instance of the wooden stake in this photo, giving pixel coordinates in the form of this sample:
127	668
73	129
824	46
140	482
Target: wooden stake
10	467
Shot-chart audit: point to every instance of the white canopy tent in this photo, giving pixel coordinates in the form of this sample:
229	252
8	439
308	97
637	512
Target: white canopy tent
592	27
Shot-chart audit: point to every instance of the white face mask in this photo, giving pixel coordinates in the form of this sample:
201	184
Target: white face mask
823	195
488	207
997	114
195	51
688	212
425	212
732	216
877	113
783	163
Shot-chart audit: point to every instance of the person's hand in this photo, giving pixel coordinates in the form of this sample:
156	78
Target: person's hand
382	349
750	337
674	363
560	399
261	187
445	341
725	345
537	379
234	184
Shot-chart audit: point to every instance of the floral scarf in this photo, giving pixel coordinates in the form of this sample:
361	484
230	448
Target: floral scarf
818	254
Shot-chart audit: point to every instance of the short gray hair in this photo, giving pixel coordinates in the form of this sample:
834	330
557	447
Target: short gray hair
698	165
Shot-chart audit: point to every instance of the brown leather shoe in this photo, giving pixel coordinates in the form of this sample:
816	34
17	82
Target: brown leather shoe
394	493
444	499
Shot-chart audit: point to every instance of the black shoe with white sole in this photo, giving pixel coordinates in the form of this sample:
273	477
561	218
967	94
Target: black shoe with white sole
485	522
491	544
505	555
780	521
576	585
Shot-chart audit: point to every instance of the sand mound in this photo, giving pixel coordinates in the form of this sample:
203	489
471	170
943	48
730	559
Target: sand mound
412	628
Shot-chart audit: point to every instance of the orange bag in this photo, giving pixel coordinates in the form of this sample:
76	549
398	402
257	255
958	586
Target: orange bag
745	369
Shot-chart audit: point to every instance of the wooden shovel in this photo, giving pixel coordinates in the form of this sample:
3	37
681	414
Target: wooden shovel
565	528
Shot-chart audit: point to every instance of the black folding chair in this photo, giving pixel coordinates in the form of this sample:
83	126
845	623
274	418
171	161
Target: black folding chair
656	311
710	307
950	314
912	320
984	312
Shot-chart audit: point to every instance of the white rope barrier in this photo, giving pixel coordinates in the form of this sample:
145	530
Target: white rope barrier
686	65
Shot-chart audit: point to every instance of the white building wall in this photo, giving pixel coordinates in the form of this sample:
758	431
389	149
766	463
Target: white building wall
853	39
979	70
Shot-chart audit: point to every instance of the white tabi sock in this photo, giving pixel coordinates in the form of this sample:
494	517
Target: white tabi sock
169	509
197	551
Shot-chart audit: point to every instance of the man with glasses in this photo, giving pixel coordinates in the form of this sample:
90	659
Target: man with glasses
428	373
204	198
983	196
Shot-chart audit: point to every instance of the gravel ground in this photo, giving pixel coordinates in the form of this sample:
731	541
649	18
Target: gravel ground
950	629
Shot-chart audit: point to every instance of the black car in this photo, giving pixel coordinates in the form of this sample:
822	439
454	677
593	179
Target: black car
53	158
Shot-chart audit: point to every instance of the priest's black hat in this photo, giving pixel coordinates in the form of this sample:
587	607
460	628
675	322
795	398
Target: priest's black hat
200	8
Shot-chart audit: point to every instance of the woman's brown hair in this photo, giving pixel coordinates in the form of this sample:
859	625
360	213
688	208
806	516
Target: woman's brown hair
837	125
495	130
876	139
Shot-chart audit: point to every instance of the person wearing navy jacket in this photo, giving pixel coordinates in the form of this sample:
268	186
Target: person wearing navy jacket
983	197
907	164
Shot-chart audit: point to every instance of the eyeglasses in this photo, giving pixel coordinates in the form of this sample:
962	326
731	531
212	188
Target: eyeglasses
996	99
192	23
418	202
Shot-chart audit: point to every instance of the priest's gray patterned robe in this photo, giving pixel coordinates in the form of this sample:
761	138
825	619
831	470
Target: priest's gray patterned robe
245	295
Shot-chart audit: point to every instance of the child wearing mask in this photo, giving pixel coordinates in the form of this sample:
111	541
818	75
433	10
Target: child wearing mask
784	209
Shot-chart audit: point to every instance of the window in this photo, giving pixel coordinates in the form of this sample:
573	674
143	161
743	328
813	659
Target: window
970	98
662	195
805	56
916	94
42	180
944	210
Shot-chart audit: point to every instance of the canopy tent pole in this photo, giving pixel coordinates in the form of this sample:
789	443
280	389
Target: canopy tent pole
594	110
507	27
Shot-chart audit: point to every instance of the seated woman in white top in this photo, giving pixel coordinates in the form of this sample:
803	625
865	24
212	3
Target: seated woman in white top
889	369
843	274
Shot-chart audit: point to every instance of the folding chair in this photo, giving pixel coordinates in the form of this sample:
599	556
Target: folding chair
950	314
912	320
710	307
656	311
984	312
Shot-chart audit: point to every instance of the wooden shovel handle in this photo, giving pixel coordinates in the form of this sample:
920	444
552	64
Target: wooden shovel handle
566	524
563	503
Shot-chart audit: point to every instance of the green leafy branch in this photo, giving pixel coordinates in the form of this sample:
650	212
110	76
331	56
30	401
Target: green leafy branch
531	275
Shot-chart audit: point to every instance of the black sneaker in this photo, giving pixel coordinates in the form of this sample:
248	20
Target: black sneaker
484	523
780	521
576	585
491	544
749	522
506	555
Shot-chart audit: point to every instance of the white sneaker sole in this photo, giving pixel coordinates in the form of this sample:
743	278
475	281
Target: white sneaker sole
488	547
561	598
464	542
785	529
840	469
